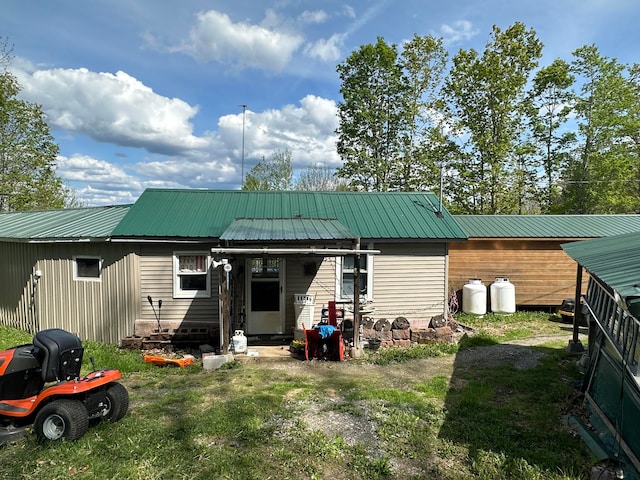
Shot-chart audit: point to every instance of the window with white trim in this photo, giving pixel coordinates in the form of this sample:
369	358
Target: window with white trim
345	275
87	268
191	275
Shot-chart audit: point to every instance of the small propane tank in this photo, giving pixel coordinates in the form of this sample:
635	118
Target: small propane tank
239	342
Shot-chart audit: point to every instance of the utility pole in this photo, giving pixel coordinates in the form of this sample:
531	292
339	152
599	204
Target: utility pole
244	111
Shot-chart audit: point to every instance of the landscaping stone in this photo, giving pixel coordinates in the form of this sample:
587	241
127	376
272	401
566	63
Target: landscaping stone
400	323
400	334
382	325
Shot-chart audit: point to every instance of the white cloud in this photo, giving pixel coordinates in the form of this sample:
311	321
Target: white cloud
308	130
98	182
83	168
327	50
317	16
185	173
112	108
460	31
349	11
216	38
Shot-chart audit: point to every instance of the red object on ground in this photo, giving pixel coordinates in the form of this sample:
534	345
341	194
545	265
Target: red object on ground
329	348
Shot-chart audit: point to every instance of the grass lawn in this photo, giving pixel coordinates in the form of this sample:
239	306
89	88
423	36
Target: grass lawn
429	412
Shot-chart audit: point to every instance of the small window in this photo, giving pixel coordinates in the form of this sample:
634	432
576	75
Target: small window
192	278
87	268
346	276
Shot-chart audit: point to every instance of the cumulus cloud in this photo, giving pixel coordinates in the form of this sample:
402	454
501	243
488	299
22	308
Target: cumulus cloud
120	110
98	182
460	31
215	37
307	130
187	173
112	108
327	50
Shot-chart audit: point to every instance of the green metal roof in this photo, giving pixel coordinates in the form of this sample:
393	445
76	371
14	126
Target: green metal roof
167	213
286	229
547	226
61	225
614	260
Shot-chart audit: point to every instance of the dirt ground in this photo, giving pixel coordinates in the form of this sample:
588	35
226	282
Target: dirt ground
319	414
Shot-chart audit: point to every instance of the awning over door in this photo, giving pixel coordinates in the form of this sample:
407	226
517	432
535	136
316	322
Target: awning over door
286	229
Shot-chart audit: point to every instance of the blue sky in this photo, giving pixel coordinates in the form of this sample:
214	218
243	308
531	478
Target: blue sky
148	93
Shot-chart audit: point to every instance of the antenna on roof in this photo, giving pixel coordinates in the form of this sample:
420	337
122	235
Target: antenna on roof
441	183
244	111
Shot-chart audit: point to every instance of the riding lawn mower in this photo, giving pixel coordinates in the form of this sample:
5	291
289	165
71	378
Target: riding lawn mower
41	389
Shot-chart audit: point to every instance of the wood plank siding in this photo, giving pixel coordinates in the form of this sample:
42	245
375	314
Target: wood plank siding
101	310
542	273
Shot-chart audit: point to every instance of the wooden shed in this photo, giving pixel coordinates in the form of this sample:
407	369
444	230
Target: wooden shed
527	250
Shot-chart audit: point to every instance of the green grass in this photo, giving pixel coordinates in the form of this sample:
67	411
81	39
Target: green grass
510	327
256	421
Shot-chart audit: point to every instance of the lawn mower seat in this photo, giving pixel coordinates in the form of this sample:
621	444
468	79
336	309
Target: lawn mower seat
62	354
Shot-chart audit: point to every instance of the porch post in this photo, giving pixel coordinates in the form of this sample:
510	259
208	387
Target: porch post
224	311
356	298
575	346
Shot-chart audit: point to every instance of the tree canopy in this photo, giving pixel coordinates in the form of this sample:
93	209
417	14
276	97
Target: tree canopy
509	136
28	179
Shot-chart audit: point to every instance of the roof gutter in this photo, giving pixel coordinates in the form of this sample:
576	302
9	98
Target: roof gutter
292	251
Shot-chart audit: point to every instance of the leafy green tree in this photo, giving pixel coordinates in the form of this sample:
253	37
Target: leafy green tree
487	98
551	106
273	174
423	61
631	135
600	178
318	178
387	114
28	179
371	116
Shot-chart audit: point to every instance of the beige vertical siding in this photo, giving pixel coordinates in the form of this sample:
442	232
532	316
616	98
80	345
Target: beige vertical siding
409	281
94	310
299	281
16	284
156	280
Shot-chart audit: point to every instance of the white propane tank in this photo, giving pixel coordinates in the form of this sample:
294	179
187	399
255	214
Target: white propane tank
239	342
474	297
503	296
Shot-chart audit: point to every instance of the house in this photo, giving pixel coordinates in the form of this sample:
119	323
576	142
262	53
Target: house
243	256
60	270
527	250
612	380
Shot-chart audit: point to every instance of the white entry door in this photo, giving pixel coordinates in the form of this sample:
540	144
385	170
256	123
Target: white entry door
265	297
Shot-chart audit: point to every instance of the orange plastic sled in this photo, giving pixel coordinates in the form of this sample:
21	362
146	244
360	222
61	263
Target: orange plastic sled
161	361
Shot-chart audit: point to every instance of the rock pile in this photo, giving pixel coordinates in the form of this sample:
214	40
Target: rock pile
383	333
